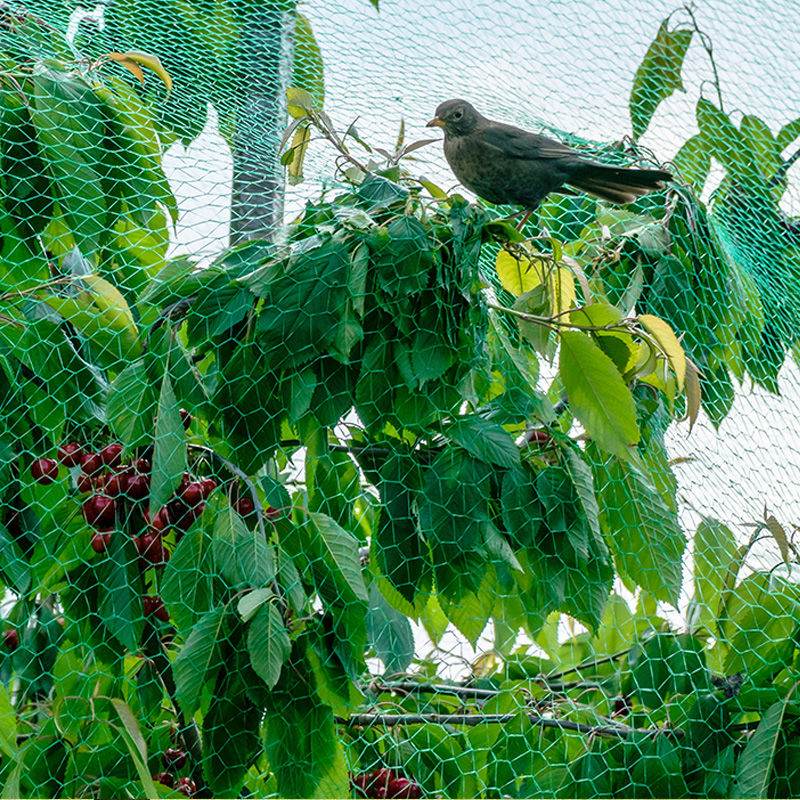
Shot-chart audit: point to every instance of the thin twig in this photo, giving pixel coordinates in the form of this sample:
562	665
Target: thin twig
708	46
595	662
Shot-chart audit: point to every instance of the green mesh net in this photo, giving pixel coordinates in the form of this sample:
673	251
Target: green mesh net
321	477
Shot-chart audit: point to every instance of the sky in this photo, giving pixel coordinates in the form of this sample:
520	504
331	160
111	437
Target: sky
568	64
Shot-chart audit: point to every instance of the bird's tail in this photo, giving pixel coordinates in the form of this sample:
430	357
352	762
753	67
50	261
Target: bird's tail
617	184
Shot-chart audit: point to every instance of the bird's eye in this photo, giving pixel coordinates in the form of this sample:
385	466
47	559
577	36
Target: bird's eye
458	114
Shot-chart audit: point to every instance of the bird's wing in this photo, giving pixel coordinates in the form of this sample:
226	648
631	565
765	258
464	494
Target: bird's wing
517	143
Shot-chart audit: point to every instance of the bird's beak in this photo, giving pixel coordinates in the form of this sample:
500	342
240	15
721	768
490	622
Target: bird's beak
436	122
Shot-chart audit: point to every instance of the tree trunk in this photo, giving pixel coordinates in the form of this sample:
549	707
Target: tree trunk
264	69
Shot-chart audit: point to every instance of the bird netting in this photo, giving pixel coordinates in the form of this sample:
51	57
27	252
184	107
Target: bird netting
321	476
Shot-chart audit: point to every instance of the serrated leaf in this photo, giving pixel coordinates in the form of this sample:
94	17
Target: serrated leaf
186	586
338	551
693	393
169	456
779	535
120	604
582	479
668	342
136	745
69	130
389	632
12	562
788	134
8	726
250	603
597	394
484	439
658	76
131	406
754	768
198	659
714	552
641	530
268	643
517	275
693	163
298	102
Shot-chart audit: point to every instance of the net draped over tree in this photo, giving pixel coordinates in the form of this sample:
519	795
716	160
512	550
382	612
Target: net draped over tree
355	484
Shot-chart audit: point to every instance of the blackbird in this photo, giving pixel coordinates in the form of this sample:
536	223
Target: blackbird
507	165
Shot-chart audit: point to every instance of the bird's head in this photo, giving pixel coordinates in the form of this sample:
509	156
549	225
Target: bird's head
457	117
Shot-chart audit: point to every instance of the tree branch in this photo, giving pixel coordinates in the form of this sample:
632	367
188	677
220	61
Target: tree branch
390	720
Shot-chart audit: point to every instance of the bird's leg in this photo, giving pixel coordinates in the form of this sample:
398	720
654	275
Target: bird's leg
525	216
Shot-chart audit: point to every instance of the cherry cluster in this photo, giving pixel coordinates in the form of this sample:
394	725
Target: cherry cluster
384	782
174	759
118	498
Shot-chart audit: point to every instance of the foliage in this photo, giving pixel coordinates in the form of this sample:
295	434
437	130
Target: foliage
294	452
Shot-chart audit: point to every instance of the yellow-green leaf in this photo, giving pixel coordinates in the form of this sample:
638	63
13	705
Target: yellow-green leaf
517	275
596	315
779	535
597	394
111	303
147	60
562	290
693	392
298	147
658	76
102	316
668	342
298	102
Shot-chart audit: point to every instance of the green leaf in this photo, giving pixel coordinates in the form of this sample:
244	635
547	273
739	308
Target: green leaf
303	315
714	552
400	552
403	256
453	506
169	456
597	394
199	659
120	599
582	479
658	76
692	163
101	314
485	440
641	530
725	142
138	173
13	563
186	586
304	750
764	612
8	726
658	771
231	741
308	71
268	643
137	747
337	551
788	134
250	603
69	129
754	768
241	556
131	406
389	632
521	508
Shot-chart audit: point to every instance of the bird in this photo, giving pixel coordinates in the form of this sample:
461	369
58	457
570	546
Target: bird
511	166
